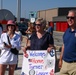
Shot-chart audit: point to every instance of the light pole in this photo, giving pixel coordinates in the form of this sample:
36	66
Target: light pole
1	4
18	10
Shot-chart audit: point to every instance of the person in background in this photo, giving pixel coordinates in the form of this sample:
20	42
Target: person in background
1	29
40	39
50	29
30	31
67	61
7	58
20	34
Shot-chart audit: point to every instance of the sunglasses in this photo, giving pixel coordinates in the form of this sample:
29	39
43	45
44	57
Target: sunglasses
70	17
10	25
38	25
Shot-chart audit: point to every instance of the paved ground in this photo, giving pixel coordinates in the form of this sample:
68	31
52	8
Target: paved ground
18	71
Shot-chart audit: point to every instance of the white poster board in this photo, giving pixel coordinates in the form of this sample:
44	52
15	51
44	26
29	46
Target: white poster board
38	62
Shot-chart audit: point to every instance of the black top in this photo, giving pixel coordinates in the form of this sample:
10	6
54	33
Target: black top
42	43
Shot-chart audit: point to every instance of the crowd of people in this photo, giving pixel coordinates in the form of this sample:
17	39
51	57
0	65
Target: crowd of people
10	44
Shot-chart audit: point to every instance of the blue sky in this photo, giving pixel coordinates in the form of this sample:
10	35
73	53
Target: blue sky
35	5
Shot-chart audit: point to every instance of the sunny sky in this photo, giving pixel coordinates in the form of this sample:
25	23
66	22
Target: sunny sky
35	5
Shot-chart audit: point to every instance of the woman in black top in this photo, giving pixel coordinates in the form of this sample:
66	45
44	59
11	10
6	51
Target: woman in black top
40	40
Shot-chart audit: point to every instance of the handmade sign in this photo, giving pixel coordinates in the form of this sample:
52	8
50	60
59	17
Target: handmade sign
38	62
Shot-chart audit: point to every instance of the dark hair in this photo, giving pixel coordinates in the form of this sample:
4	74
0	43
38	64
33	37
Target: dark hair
14	28
1	26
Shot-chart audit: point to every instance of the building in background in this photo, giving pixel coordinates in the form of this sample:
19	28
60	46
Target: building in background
56	17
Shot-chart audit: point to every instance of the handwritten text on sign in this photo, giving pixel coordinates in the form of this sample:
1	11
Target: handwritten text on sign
39	62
